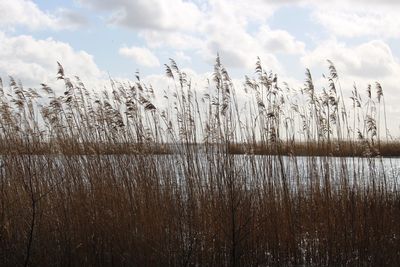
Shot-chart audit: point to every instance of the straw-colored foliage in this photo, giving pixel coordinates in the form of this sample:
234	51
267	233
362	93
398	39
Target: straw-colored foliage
111	179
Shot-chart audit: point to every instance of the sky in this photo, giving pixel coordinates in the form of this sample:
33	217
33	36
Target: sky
96	39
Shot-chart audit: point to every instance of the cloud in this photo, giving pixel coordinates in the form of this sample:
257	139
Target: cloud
279	41
149	14
377	18
244	11
378	21
141	55
181	56
176	40
24	13
34	61
70	19
373	59
238	31
27	14
335	2
202	29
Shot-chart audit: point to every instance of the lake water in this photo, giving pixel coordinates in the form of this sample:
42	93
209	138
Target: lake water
252	169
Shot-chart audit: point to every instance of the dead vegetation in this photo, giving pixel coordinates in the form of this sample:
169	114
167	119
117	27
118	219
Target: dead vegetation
80	184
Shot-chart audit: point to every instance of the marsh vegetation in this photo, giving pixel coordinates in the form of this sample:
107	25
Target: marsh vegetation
210	179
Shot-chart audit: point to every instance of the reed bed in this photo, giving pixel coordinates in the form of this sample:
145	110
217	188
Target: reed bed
110	179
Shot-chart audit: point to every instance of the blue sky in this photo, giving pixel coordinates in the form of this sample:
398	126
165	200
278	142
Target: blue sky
95	38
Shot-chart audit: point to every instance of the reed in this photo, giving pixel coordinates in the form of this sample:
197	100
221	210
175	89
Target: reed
110	179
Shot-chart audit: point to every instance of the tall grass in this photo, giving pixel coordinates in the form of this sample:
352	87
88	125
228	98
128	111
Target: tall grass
110	179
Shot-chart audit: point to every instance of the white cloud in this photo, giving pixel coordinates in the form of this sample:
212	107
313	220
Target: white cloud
361	18
245	11
374	21
378	18
34	61
279	41
202	28
141	55
27	14
179	55
69	19
336	2
176	40
373	59
24	13
149	14
226	32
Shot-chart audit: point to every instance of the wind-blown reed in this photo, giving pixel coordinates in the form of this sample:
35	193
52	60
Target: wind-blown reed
111	179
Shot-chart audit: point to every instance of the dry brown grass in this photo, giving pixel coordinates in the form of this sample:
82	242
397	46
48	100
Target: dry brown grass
102	197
